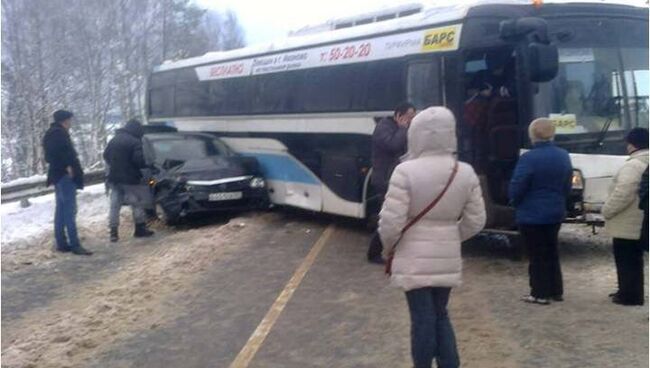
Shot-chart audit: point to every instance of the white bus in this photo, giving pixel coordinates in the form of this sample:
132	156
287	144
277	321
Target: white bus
306	106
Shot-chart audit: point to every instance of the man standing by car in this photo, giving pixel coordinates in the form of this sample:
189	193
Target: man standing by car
67	176
388	145
124	159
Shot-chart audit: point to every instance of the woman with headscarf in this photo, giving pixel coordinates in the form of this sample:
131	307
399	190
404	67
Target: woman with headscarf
440	200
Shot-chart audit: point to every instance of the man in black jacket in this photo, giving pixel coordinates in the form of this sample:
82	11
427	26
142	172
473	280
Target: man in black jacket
67	176
388	145
125	158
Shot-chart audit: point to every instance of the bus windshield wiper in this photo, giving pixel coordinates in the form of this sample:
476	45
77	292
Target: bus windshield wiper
603	132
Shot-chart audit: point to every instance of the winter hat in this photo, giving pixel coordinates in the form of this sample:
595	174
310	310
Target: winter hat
61	116
541	130
638	137
134	126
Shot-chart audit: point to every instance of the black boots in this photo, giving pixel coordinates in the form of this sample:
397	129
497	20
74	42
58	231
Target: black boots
81	251
141	231
114	236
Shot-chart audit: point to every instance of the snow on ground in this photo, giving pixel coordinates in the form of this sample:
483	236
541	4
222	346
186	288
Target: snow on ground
133	298
21	226
494	328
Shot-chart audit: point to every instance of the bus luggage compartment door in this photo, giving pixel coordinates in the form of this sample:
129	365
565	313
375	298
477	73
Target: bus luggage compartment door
342	185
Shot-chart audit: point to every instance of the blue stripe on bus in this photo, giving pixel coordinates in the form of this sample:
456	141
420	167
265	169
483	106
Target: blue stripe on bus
283	168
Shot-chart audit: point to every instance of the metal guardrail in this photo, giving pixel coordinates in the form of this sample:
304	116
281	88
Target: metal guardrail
12	193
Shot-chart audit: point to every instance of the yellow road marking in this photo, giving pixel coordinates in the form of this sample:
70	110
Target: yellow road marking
256	340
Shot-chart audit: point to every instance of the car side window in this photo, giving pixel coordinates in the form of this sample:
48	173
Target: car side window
149	156
221	148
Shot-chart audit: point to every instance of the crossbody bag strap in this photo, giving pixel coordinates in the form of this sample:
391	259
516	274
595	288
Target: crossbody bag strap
414	220
433	203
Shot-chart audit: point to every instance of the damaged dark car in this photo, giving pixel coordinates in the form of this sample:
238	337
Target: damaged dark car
195	173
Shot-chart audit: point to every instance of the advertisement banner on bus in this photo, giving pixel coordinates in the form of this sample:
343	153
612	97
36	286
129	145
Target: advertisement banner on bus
424	41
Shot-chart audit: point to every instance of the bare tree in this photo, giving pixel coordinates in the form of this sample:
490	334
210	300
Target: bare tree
232	33
213	28
92	57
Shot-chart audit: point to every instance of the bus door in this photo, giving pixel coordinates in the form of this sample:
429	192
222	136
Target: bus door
489	121
499	83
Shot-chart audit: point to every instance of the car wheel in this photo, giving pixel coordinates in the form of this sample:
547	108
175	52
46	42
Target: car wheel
166	217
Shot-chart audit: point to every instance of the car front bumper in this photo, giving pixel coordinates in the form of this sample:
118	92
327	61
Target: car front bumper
197	200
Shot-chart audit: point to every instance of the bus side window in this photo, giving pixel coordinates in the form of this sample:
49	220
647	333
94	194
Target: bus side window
423	83
338	88
161	102
384	84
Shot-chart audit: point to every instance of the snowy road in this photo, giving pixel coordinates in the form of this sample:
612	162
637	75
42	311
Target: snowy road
192	297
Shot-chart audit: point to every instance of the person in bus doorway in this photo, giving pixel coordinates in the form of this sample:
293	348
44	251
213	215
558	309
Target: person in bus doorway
498	80
624	219
388	145
438	200
65	173
124	158
538	190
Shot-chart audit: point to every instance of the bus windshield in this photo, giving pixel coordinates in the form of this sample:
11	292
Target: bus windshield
602	86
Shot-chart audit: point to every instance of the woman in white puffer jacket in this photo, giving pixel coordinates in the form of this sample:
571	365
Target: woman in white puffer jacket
427	260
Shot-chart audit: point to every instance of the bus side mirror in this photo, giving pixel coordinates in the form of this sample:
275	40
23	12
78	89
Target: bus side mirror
542	58
543	62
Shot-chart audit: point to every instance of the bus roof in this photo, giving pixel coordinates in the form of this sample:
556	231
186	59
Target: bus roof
431	14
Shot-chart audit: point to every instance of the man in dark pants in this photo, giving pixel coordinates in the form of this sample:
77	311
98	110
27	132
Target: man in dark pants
67	176
538	190
388	145
545	272
624	220
124	158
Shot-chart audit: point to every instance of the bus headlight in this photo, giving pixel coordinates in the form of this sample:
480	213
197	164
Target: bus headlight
577	182
257	183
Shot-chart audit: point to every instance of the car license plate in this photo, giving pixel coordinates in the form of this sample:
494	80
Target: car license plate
224	196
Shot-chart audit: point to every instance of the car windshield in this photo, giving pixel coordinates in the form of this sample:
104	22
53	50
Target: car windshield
180	149
602	83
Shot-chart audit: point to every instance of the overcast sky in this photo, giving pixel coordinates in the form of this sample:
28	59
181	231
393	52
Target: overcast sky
267	20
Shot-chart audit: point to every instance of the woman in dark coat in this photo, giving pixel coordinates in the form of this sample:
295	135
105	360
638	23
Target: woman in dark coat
538	190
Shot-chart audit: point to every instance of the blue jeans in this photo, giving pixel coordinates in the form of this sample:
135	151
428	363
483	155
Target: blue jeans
432	335
65	213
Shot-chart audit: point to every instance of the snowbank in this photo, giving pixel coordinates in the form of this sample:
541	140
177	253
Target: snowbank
19	225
